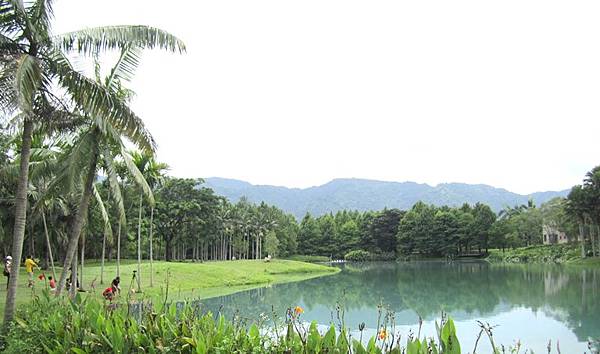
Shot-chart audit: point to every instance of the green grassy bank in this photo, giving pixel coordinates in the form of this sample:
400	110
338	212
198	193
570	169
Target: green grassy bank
186	280
563	254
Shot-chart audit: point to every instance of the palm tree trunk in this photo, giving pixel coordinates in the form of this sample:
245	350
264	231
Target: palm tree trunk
119	250
592	239
74	275
598	239
139	246
82	259
103	256
31	239
20	218
81	215
151	221
48	244
582	240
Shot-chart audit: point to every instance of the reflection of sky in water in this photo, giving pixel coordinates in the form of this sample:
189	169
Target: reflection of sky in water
532	304
517	323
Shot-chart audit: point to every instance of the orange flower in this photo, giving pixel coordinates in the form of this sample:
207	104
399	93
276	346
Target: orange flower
382	334
298	310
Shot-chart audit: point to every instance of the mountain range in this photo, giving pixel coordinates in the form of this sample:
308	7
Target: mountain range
363	195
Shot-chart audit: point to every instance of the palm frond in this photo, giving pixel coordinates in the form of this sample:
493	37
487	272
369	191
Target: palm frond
103	212
113	182
43	13
137	175
12	15
28	79
73	164
125	67
103	105
92	40
9	101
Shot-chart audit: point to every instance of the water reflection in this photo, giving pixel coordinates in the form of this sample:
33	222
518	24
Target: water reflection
468	291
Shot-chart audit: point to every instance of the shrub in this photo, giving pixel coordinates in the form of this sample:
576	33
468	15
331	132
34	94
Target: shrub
308	259
564	253
358	256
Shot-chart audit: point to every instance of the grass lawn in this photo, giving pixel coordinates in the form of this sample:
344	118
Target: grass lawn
186	280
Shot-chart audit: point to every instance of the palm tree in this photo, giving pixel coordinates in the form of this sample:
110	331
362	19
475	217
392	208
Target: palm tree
102	139
152	171
32	59
140	160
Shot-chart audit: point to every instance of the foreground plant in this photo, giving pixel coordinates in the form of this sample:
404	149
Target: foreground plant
86	325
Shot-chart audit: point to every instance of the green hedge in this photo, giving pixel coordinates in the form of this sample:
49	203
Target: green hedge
358	256
564	253
308	259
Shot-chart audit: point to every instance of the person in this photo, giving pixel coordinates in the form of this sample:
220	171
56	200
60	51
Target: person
115	285
108	293
7	269
69	280
52	284
29	265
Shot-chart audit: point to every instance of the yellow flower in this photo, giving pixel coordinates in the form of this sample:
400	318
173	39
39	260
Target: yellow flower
298	310
382	334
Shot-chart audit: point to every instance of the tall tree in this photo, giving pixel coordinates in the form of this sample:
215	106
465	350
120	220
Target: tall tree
101	138
31	60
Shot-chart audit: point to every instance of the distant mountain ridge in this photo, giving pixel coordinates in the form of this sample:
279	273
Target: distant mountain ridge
363	195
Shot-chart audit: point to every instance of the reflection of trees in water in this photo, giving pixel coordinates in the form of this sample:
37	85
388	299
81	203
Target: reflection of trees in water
464	289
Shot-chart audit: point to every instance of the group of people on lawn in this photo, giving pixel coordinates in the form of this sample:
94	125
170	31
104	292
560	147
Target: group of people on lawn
30	265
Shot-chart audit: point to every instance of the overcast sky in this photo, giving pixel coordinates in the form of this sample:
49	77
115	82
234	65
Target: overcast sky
297	93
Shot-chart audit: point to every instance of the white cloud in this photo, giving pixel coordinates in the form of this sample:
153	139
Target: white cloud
297	93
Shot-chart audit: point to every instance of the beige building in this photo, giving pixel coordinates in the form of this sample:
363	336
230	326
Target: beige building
552	235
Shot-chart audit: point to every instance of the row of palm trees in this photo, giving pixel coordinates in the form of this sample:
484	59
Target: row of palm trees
47	97
226	231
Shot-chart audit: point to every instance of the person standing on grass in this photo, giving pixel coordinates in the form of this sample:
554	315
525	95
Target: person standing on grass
52	284
7	268
29	265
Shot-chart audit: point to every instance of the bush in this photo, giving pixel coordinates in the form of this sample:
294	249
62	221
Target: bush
565	253
358	256
308	259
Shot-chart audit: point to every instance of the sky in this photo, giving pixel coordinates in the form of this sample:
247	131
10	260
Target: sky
296	93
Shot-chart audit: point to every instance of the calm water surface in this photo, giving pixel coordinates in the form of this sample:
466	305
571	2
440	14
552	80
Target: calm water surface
532	304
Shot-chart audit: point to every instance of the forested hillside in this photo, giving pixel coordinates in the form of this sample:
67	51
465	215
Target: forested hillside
365	195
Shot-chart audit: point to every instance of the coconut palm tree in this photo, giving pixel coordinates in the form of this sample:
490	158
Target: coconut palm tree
101	139
31	59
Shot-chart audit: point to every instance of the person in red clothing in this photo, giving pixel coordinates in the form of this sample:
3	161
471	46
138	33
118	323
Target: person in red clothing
52	284
108	294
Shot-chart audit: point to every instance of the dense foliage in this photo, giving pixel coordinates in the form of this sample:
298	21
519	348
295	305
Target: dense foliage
565	253
358	256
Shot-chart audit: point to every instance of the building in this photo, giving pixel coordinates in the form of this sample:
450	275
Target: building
553	236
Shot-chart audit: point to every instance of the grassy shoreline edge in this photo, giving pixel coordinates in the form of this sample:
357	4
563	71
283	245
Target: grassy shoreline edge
187	280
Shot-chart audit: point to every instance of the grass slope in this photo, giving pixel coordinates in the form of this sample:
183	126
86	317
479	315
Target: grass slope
186	280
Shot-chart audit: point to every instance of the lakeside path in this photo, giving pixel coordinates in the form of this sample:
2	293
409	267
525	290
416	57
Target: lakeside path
187	280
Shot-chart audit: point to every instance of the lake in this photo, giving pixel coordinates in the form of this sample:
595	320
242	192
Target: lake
532	304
